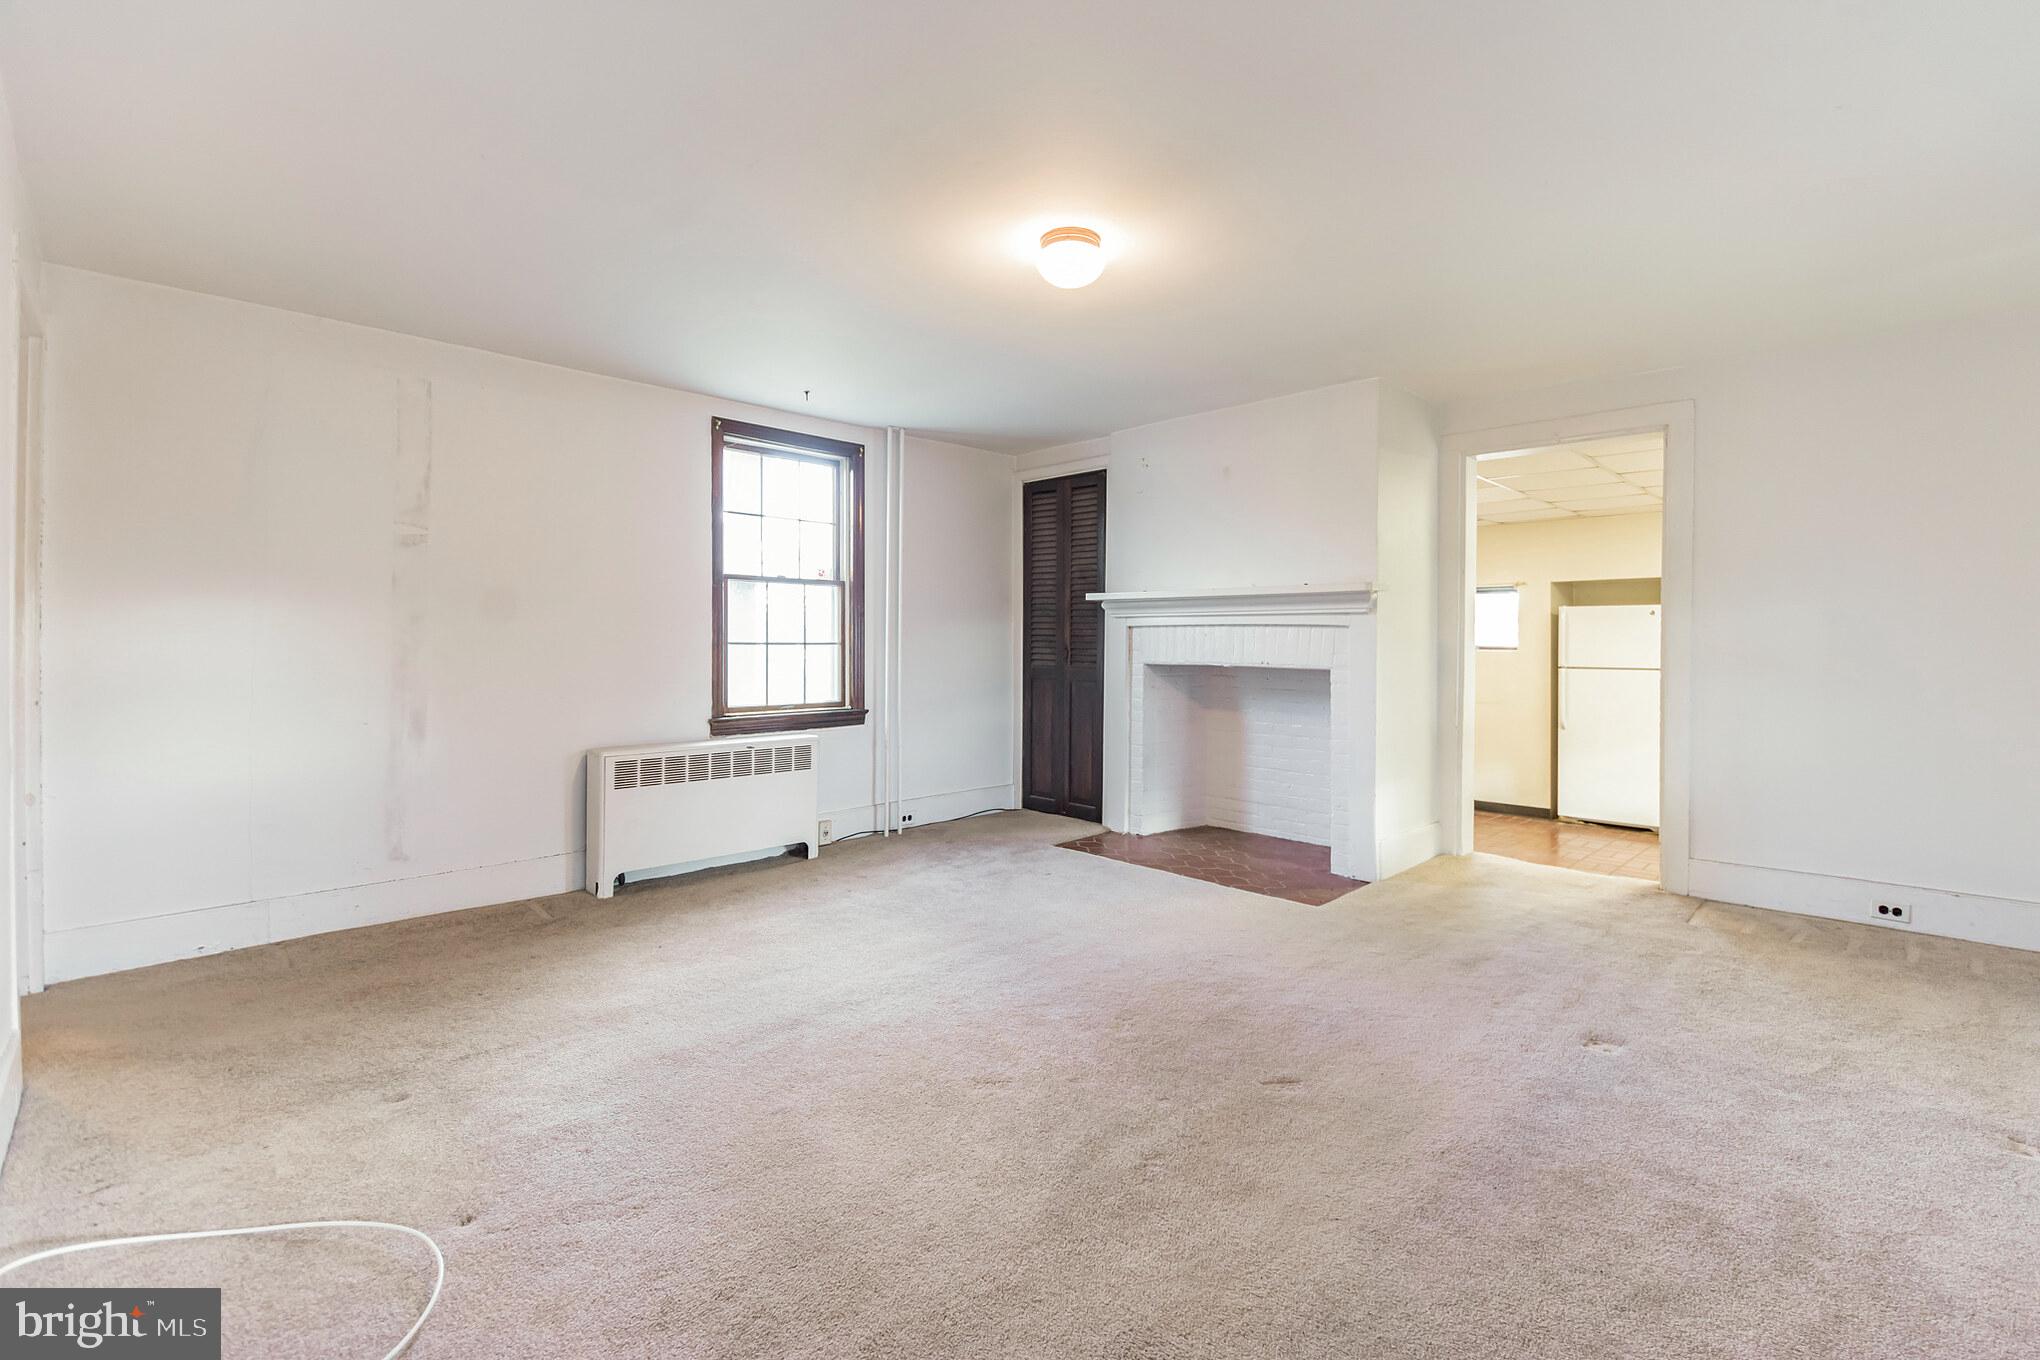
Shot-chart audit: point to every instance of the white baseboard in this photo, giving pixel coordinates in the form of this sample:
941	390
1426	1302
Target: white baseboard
849	821
10	1094
1407	849
2010	921
942	807
90	950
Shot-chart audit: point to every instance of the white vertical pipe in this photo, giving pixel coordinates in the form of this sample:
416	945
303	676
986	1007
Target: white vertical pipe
899	627
877	644
886	645
887	705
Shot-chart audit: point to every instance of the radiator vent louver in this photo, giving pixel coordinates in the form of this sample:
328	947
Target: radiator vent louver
650	772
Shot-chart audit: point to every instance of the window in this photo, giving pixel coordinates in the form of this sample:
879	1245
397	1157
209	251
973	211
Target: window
789	571
1496	612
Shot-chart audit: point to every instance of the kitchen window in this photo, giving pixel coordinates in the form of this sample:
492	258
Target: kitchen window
1497	618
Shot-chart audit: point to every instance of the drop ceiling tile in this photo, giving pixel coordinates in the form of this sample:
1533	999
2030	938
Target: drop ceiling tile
1547	481
1627	443
1611	490
1654	479
1516	516
1536	460
1605	509
1491	492
1625	506
1645	461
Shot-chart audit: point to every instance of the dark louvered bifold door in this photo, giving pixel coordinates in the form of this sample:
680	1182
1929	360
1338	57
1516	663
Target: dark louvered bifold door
1064	705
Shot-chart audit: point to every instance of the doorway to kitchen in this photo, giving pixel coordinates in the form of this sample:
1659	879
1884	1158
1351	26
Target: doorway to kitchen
1570	705
1569	551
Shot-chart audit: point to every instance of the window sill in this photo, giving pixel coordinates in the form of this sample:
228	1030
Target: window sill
745	724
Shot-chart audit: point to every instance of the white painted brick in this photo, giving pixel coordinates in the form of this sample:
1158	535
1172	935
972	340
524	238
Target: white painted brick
1248	747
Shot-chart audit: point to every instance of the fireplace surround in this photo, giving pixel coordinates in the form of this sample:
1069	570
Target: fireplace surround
1152	638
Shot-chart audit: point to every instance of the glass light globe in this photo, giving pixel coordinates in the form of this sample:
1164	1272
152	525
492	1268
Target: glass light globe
1071	256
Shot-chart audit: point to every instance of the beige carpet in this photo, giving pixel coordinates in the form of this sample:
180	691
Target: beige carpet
970	1094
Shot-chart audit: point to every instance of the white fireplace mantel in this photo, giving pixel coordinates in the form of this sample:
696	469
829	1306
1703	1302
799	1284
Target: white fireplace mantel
1327	628
1307	599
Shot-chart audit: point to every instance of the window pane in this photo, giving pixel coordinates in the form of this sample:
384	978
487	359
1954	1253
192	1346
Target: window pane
784	530
739	545
817	551
818	491
744	619
1496	615
782	486
824	675
783	675
744	683
785	613
782	547
824	611
740	480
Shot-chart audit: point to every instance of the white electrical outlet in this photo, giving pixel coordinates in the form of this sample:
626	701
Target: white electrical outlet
828	832
1891	911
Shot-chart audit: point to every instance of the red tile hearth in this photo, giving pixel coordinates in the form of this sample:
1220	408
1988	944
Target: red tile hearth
1238	859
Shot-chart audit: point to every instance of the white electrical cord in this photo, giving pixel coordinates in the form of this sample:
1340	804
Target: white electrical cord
438	1259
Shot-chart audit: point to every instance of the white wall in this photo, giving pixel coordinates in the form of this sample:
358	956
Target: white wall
332	614
22	285
1276	493
1407	651
959	675
1513	713
1863	721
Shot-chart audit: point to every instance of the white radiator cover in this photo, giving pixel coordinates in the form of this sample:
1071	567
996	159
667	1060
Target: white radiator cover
678	803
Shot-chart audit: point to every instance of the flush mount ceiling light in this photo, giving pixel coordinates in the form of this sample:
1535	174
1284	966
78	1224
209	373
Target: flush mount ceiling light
1070	256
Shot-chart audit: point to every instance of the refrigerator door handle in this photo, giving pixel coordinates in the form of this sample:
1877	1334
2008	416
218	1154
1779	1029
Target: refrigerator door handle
1563	691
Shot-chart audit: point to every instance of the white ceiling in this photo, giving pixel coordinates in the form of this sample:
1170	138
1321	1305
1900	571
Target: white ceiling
1623	475
757	199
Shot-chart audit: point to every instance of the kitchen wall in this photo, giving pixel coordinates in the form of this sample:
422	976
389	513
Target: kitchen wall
1513	735
1863	722
332	614
22	285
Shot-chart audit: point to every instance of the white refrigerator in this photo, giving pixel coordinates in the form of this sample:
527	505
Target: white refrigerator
1608	713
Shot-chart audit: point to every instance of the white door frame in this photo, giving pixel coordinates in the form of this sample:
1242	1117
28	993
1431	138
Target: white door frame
1458	578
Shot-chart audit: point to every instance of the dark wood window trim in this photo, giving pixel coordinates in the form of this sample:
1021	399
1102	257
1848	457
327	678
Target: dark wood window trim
851	712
